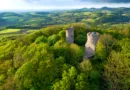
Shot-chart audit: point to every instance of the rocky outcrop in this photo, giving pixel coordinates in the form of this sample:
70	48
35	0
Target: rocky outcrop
90	46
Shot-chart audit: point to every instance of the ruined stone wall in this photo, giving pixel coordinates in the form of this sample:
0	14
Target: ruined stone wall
92	39
70	35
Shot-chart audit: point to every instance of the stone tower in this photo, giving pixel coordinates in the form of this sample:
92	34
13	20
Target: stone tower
92	39
70	35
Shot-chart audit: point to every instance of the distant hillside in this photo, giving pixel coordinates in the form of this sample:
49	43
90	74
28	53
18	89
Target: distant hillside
90	16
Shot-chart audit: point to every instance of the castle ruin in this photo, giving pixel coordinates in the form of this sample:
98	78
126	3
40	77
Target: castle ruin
70	35
90	46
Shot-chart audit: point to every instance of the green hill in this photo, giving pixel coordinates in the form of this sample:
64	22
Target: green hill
43	60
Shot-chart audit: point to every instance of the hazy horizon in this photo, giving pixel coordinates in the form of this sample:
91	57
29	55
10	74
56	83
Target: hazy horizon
38	5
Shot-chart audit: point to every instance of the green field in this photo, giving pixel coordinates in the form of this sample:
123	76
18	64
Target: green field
14	32
9	31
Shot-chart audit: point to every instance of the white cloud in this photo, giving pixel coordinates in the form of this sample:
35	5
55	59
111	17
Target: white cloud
37	4
12	4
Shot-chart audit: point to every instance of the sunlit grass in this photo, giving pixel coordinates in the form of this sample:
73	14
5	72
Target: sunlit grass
15	32
9	31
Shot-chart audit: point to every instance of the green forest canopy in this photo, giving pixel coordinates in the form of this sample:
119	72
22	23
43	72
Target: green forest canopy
43	60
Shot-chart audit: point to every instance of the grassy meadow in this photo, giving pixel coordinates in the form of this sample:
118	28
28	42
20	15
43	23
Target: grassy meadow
9	31
15	32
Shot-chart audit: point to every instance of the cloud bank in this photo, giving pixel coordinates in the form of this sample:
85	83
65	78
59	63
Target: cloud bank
107	1
59	4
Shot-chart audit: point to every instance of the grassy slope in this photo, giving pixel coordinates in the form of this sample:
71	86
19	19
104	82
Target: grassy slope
14	32
9	31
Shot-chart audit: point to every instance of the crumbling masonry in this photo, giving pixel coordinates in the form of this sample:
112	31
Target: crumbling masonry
70	35
90	46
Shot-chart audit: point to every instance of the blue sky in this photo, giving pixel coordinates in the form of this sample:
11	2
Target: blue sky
59	4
